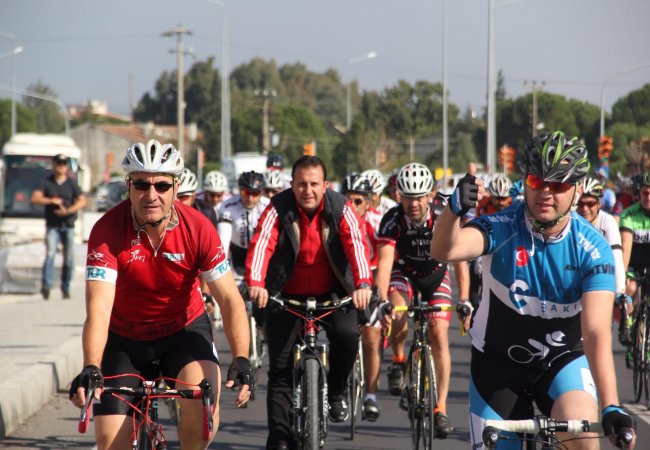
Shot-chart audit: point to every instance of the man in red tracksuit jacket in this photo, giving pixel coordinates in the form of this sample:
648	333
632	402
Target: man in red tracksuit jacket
309	242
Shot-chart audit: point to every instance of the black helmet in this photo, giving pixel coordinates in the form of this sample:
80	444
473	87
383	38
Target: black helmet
275	161
641	180
356	183
554	157
251	180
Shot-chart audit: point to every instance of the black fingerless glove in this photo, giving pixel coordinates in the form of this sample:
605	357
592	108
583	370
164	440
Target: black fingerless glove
465	196
86	376
616	422
240	371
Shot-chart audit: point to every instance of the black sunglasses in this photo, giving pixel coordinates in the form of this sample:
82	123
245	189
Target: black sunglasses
161	187
358	201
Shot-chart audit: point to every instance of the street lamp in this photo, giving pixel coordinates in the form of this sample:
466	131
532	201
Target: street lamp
602	91
225	86
13	53
367	56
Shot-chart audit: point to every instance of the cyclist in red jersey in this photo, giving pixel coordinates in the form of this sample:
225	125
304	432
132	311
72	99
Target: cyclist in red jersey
145	313
308	243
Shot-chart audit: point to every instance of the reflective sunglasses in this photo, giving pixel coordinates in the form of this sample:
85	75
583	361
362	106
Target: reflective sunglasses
161	187
251	193
272	191
589	203
556	187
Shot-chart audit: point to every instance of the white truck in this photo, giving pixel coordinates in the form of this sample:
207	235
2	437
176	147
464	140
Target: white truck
239	163
26	160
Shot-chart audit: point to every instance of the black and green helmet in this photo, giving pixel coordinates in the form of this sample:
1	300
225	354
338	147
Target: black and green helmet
554	157
641	180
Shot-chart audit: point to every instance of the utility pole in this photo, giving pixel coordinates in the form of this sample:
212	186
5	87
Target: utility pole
179	31
266	95
535	88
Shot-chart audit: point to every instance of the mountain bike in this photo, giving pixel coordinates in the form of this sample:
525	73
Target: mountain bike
147	432
356	388
542	430
310	362
640	348
420	395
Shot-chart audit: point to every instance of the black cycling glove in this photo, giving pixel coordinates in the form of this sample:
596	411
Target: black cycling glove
240	371
616	422
465	196
84	378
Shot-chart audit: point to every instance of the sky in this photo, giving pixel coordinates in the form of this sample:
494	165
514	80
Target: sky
89	49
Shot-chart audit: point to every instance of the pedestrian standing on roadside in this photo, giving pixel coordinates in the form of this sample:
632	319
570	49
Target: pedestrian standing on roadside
62	198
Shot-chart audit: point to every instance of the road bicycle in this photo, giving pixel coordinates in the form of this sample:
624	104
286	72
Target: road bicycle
542	431
257	346
356	388
310	362
639	351
147	432
420	395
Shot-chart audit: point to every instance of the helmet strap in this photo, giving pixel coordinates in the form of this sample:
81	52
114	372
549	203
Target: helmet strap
540	226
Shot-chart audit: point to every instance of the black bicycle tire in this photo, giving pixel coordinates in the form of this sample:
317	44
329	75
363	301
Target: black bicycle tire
310	390
429	398
646	364
412	394
353	387
637	356
145	435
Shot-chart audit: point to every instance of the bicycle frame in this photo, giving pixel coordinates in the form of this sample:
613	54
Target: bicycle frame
310	431
147	432
640	346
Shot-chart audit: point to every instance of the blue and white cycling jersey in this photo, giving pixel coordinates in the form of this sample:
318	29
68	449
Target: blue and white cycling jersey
530	307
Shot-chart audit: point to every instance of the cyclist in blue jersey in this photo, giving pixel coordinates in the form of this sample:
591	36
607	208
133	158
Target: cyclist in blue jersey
541	333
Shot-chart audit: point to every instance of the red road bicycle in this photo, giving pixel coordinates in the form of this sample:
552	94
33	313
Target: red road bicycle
147	431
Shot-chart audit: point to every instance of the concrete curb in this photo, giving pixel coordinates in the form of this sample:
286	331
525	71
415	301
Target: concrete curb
26	392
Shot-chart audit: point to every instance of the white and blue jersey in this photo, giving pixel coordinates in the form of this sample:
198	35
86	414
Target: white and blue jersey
532	289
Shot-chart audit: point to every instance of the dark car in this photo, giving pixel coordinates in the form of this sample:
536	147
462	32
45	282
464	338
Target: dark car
110	194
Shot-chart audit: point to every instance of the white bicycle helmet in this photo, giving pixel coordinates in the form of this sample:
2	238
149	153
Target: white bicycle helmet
414	179
188	184
215	181
273	179
376	180
153	157
592	186
499	186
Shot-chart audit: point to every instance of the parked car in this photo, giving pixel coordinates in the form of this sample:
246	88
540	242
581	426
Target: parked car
110	194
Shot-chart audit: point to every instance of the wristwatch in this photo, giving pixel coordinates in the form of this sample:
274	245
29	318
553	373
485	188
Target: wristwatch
364	286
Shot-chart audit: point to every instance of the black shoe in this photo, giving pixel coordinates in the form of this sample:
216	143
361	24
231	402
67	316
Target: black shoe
441	425
66	295
370	410
280	445
46	293
396	378
624	336
339	411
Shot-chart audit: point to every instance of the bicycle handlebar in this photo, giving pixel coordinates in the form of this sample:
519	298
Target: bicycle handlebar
149	389
492	429
311	304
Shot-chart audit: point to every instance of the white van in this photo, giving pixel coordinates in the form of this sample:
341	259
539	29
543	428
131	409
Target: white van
240	163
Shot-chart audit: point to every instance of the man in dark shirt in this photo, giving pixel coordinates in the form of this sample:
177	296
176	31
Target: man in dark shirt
62	198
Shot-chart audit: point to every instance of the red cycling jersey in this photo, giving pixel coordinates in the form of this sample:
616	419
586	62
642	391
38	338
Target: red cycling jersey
157	292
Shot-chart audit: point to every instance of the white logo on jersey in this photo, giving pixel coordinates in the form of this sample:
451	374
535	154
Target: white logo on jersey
135	256
135	242
95	256
589	247
524	355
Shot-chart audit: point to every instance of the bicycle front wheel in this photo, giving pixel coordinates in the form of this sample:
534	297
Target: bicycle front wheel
639	361
355	390
311	429
421	397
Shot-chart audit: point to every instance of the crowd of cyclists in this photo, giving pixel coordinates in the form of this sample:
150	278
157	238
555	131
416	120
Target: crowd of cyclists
541	257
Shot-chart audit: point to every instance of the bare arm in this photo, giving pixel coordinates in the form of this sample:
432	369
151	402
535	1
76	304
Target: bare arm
596	319
450	242
38	198
461	271
384	268
78	204
627	239
235	322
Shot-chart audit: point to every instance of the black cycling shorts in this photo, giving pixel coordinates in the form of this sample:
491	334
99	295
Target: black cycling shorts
165	356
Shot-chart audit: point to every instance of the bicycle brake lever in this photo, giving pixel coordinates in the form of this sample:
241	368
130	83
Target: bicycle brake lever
207	395
84	416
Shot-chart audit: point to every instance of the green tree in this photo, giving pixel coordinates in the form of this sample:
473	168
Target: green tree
634	108
25	121
47	113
